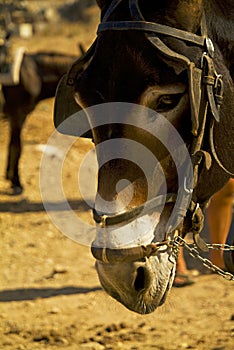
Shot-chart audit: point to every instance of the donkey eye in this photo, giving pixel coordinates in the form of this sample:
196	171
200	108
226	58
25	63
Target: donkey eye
166	102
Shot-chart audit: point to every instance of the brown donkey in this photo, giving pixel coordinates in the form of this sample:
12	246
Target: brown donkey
176	58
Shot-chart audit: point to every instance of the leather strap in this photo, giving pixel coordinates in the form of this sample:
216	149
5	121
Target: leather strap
214	153
113	256
152	28
126	216
112	7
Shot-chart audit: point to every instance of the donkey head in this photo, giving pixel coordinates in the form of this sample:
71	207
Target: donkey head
136	62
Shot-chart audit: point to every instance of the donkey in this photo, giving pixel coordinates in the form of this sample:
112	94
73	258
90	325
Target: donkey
39	75
176	58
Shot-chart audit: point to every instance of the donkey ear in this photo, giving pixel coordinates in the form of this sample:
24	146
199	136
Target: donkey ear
69	119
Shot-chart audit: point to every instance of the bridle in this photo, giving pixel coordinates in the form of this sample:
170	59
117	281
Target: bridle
205	92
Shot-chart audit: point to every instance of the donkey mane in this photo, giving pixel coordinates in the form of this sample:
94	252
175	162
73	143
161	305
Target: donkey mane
220	23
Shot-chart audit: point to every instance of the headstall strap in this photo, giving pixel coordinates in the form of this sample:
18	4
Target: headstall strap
127	216
110	256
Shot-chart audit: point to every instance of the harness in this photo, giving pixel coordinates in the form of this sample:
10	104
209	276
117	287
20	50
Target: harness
206	94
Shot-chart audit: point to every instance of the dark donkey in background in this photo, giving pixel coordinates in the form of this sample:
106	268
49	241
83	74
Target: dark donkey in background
39	75
177	58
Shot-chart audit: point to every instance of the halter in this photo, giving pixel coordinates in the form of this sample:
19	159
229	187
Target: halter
205	92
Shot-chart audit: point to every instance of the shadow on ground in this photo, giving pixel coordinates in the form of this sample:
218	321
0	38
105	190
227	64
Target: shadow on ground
23	294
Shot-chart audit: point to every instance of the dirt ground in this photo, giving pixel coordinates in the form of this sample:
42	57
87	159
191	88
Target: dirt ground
50	296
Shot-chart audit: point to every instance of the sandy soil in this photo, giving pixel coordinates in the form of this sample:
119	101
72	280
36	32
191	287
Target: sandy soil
50	296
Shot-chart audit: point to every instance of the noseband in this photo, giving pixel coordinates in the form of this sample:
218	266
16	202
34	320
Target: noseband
205	92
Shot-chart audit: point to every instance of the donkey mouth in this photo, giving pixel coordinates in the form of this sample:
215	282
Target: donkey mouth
141	286
152	294
168	287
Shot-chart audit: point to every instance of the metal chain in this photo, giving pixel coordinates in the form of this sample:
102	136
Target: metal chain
179	241
220	246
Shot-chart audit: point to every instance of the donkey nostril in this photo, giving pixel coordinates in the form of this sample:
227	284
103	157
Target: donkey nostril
140	280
